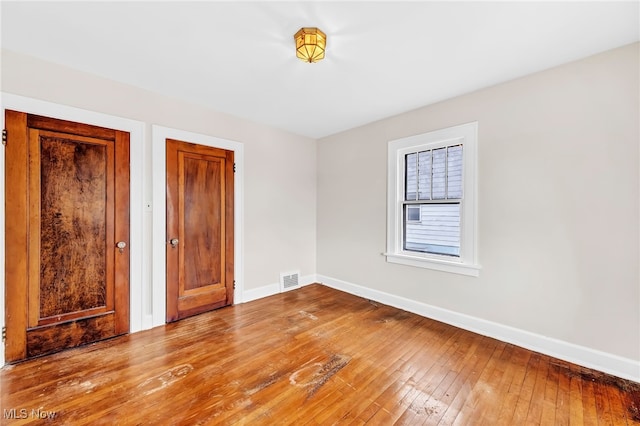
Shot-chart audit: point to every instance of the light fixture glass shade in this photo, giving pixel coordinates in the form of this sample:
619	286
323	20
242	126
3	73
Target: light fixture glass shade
310	44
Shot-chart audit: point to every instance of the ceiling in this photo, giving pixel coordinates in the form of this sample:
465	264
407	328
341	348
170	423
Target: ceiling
382	59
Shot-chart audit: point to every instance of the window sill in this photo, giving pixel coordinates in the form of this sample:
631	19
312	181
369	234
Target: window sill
436	264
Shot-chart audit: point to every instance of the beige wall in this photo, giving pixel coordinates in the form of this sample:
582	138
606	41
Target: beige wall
280	175
558	205
558	194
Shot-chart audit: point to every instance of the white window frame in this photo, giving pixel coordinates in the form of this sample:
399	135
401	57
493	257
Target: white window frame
467	262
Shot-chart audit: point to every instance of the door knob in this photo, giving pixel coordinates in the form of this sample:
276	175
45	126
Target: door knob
174	242
121	245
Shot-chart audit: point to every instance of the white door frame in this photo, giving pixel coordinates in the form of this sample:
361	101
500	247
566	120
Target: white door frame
136	131
159	228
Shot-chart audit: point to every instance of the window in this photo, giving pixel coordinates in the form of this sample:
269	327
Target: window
413	214
432	200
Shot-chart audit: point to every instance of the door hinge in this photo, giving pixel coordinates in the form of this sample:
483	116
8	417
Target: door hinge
234	284
234	167
4	136
4	333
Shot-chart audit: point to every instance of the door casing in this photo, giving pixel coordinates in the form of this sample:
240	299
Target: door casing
158	152
136	129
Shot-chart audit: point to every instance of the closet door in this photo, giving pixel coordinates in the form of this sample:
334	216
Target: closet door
67	234
199	229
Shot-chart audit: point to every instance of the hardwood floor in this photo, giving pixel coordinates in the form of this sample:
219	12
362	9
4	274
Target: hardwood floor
310	356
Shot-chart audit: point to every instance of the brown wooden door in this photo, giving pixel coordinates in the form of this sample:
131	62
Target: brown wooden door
199	229
67	206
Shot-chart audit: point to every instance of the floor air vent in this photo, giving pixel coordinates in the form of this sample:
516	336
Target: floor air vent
289	281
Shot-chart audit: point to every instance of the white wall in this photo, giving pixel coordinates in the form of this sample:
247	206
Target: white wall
279	175
558	207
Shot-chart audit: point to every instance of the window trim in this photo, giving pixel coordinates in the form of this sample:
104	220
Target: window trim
467	263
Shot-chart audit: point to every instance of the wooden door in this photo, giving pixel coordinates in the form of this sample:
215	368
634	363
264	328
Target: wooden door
67	207
199	229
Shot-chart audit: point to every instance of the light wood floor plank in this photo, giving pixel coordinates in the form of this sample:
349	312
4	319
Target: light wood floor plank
393	382
519	364
534	414
525	392
467	380
575	397
564	391
486	410
313	356
483	394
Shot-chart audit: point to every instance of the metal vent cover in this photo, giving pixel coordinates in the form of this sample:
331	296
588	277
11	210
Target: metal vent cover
289	280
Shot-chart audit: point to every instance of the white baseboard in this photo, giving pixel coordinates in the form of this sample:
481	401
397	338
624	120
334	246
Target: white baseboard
271	289
260	292
147	322
581	355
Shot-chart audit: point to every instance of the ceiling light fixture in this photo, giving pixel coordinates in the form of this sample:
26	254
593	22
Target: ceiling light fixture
310	44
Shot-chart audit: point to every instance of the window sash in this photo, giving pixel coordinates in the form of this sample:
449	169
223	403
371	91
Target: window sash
434	174
438	230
